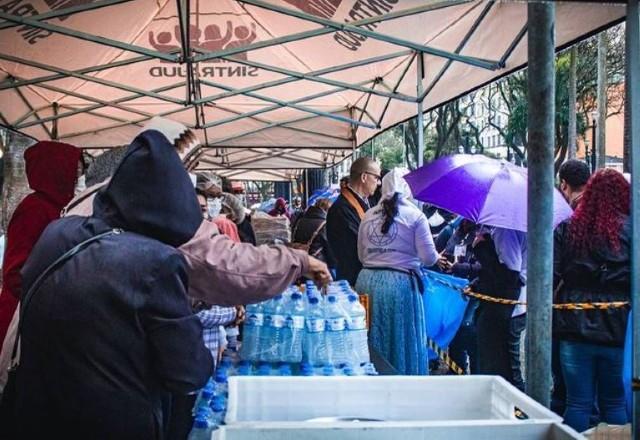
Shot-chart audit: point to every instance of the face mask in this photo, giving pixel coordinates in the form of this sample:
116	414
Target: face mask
80	185
214	206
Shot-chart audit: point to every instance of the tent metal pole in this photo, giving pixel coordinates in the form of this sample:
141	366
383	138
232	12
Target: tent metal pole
331	82
91	79
463	43
88	37
291	105
287	80
54	124
26	82
420	115
541	123
68	11
30	107
397	86
473	61
102	104
633	95
325	30
183	19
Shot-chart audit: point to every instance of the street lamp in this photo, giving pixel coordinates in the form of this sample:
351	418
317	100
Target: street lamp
594	118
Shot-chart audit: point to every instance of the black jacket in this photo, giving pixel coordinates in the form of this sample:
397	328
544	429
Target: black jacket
342	232
110	334
600	276
304	229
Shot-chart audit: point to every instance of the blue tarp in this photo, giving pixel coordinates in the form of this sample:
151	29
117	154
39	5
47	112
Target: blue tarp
444	307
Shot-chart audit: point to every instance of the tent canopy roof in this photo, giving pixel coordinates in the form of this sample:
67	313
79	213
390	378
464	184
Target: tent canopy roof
266	84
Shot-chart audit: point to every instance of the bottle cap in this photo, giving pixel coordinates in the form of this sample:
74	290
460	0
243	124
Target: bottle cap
331	298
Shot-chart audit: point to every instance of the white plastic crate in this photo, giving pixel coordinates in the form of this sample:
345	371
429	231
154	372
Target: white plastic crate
465	430
387	398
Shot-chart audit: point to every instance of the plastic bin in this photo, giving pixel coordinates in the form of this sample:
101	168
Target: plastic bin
477	430
386	398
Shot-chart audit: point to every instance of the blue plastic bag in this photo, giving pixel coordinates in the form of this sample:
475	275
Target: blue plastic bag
444	307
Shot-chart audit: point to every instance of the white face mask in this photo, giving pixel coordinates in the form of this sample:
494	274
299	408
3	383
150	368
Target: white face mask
214	206
80	185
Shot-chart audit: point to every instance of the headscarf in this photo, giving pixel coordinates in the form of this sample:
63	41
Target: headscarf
393	182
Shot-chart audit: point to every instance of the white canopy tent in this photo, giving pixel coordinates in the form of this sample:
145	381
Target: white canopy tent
270	86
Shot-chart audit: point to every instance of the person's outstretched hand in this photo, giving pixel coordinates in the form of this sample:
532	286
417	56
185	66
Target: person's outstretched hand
318	272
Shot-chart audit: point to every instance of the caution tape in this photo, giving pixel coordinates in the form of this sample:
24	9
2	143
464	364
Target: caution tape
444	355
567	306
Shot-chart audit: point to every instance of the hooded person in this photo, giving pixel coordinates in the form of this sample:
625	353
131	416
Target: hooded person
280	208
53	188
394	243
110	333
226	273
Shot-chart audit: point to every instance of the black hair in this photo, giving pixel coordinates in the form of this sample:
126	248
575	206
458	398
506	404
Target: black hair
390	207
575	172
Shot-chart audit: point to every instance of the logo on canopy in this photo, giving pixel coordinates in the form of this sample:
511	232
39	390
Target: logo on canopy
219	34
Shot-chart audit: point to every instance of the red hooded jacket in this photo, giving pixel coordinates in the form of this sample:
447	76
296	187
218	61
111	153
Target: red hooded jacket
52	169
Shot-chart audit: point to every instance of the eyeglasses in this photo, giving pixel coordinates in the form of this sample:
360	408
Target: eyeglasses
378	178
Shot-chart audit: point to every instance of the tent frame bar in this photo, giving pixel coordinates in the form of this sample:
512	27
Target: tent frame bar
274	107
397	86
89	37
473	61
67	11
290	105
326	30
114	103
26	82
316	73
91	79
266	121
35	112
461	46
331	82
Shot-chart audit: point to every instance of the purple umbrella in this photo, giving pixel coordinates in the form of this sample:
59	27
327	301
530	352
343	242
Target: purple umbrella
481	189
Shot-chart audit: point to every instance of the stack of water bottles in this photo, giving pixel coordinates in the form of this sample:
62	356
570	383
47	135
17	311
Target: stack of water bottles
210	407
314	333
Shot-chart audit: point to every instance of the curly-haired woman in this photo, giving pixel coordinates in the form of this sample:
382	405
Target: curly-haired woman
592	264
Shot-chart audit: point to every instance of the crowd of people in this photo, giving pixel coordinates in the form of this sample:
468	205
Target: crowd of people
115	314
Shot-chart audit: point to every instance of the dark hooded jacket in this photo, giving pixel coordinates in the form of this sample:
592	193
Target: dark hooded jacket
51	169
314	219
110	333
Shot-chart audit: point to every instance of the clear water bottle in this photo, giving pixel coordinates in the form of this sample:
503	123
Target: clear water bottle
203	398
264	369
336	331
252	330
328	370
222	387
201	429
357	331
293	332
216	417
274	325
314	344
284	370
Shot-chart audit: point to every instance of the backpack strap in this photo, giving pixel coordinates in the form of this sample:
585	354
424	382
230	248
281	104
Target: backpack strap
15	356
316	232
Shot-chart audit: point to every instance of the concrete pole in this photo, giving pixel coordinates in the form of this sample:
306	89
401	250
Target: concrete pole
541	104
420	124
571	138
601	126
633	96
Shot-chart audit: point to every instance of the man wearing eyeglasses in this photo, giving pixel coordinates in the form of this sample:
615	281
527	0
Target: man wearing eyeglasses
345	215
